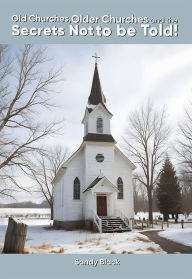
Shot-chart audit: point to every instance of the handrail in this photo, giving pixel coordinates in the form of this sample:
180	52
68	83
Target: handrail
125	219
97	221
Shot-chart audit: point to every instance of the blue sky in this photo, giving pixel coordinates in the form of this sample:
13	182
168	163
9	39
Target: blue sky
130	74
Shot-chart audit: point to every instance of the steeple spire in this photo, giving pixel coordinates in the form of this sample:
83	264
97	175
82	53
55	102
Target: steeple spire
96	95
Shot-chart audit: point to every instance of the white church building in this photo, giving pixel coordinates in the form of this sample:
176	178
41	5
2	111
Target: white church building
94	188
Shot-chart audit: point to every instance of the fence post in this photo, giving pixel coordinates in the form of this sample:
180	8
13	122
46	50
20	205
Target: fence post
15	237
182	224
167	224
162	225
142	224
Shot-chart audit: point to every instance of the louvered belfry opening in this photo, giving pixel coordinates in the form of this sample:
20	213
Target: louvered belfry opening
99	125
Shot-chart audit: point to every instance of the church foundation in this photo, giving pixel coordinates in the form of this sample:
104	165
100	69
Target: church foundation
73	225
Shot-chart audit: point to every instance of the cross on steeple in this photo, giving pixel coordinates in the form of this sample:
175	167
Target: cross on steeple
96	57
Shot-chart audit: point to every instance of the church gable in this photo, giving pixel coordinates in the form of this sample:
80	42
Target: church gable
73	162
105	186
122	160
98	121
100	110
59	175
101	185
75	157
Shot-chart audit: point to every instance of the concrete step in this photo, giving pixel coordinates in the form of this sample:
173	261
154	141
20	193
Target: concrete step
113	224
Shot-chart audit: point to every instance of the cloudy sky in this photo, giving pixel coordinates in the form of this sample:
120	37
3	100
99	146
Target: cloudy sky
129	74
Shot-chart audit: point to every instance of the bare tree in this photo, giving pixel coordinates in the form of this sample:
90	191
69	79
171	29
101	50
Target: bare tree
184	142
43	168
140	197
186	184
26	87
145	141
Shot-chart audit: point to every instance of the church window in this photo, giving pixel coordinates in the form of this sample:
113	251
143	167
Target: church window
76	189
99	158
99	125
120	188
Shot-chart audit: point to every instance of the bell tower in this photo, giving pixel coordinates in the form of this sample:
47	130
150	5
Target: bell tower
97	117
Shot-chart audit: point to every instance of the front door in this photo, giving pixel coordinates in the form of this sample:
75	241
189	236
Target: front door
101	205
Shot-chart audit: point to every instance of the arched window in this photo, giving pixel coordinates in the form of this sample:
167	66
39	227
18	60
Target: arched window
99	125
120	188
76	189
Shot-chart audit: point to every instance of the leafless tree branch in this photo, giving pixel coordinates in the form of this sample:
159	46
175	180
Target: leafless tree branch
43	168
26	89
145	142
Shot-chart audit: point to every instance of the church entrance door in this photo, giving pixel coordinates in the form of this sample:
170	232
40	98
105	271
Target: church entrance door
101	205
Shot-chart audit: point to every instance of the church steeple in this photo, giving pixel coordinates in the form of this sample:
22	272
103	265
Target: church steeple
96	95
97	117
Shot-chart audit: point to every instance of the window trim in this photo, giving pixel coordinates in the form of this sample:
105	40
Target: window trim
76	189
101	156
120	194
99	125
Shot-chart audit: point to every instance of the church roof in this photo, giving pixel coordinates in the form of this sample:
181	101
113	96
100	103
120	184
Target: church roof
98	137
125	157
90	110
103	105
96	95
93	183
97	180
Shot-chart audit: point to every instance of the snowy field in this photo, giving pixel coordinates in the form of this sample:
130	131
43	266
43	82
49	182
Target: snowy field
25	212
42	239
183	236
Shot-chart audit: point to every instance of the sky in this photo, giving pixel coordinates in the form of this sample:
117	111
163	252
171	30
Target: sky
129	74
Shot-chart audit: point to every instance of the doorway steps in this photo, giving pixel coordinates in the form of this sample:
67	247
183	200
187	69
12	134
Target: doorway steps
113	224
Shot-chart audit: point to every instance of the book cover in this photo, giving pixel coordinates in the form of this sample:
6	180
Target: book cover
95	139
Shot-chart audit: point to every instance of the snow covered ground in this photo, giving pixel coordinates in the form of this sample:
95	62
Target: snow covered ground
156	215
183	236
42	238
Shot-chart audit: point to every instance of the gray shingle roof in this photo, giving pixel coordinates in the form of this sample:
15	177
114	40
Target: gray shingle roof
96	95
98	137
93	184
